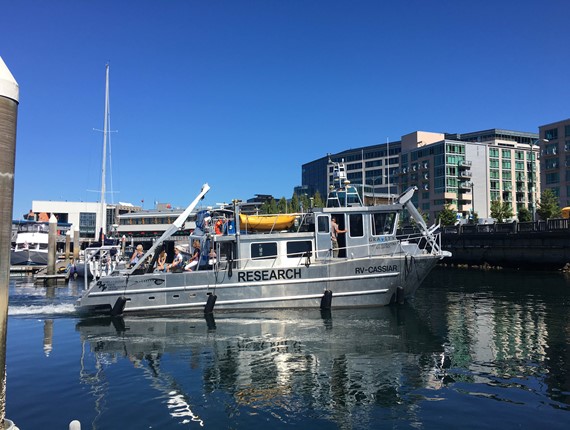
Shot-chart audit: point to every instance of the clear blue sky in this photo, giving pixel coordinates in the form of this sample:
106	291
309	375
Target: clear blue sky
241	93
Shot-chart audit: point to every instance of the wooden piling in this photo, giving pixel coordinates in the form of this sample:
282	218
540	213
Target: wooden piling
9	99
52	245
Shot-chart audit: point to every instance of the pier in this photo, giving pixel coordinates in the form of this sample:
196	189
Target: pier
541	245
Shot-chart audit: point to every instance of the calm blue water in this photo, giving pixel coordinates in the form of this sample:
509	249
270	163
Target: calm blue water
475	350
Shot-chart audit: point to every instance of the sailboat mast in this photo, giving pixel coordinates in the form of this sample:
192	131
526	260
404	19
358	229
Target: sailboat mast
104	162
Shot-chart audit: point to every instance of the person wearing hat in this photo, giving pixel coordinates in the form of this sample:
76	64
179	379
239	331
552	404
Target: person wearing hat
177	262
137	255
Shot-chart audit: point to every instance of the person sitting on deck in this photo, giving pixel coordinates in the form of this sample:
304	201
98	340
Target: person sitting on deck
137	255
195	256
177	263
161	262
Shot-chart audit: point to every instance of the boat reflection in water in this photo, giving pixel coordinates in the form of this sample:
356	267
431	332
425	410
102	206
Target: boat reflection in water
300	366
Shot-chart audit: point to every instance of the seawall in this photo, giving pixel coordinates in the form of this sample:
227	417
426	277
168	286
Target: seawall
542	245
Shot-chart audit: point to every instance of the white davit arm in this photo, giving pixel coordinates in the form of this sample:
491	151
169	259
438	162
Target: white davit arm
173	227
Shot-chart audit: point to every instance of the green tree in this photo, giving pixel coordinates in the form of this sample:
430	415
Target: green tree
447	216
501	211
294	203
268	207
282	206
548	205
524	215
318	200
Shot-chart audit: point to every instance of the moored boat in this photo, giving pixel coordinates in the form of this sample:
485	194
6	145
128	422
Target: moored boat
31	246
294	268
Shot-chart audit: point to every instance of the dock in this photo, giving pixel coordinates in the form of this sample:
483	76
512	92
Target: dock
39	273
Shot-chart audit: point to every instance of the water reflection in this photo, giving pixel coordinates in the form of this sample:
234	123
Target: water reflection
336	364
504	328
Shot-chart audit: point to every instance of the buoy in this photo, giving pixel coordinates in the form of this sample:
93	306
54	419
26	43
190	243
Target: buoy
209	308
119	306
326	300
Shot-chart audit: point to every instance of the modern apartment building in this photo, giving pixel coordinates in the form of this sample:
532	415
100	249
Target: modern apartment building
466	171
374	166
470	171
555	159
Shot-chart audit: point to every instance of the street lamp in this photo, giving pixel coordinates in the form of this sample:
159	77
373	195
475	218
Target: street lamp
533	182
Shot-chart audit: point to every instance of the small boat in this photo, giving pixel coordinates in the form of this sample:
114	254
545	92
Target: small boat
295	268
266	222
31	247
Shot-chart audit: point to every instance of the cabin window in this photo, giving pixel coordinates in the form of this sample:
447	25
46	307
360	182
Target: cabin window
298	248
324	224
263	251
356	225
383	223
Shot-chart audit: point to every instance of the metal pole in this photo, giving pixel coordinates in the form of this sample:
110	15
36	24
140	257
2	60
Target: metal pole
9	99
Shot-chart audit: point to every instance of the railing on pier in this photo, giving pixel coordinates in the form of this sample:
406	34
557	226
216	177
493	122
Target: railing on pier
550	225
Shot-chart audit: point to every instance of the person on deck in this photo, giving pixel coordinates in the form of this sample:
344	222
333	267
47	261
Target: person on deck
195	256
178	259
137	255
334	236
161	261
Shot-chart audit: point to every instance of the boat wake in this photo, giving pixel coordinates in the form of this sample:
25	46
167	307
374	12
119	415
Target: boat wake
51	309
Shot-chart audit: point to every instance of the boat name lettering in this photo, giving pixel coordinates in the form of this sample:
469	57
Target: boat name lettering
269	275
375	269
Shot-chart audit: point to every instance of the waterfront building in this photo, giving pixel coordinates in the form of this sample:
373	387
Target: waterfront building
84	216
373	167
465	171
554	145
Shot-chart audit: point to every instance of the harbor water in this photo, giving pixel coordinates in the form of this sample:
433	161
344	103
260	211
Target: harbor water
474	350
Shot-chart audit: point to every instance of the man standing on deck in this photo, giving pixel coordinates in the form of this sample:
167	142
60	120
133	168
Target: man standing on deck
334	236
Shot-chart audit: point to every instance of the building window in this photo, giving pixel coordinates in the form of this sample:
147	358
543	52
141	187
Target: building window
506	154
552	178
87	223
551	134
494	152
567	131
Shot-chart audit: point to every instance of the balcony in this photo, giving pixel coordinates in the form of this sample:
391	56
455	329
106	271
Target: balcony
465	174
465	185
465	163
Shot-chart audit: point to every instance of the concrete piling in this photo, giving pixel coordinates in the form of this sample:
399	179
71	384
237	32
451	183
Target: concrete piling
9	99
